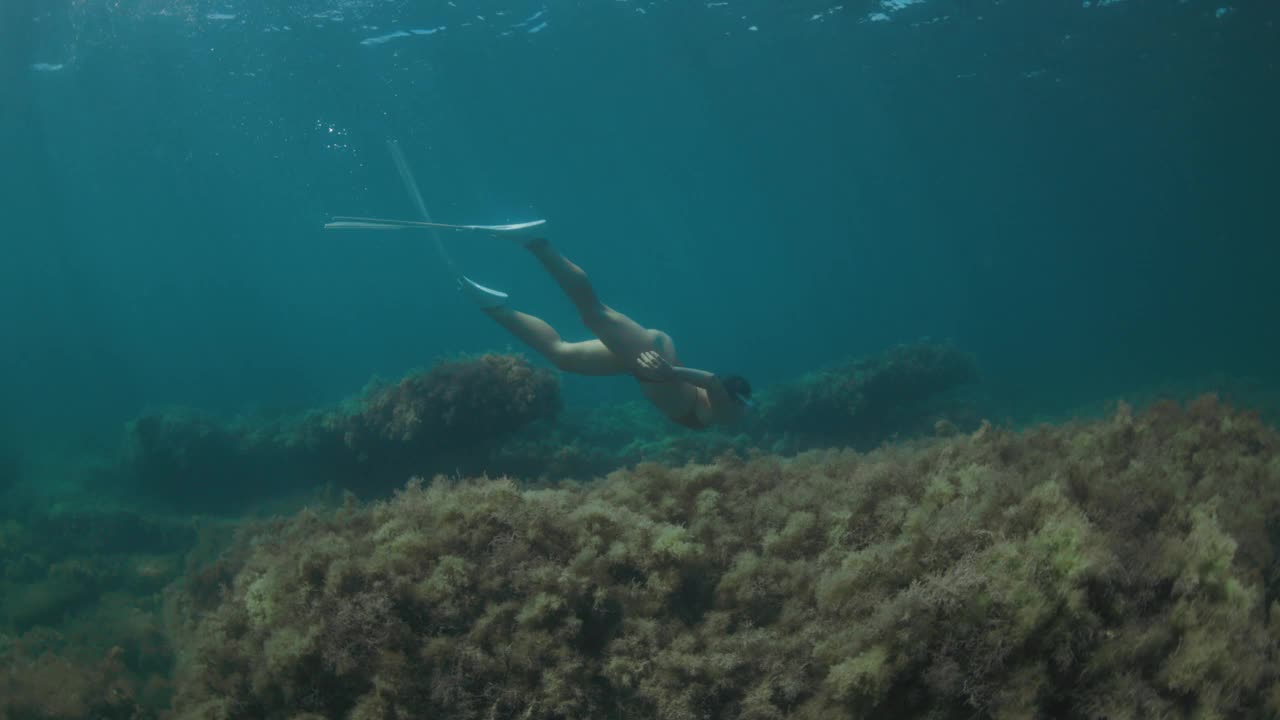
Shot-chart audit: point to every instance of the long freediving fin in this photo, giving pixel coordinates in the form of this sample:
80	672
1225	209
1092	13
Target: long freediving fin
485	297
349	222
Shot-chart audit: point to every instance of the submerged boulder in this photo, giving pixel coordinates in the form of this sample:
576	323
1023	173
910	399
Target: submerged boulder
444	419
1122	568
862	402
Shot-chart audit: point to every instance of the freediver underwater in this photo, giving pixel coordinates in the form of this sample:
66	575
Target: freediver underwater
696	399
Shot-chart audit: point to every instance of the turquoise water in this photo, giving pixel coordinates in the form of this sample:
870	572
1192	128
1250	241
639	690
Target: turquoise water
863	206
1082	195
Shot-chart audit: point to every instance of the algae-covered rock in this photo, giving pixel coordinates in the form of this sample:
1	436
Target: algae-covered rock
498	414
902	393
862	402
445	419
42	678
80	604
1115	569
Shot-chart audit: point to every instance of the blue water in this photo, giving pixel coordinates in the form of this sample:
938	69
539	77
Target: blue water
1083	195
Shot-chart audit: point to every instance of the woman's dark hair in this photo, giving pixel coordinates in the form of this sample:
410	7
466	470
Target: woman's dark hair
737	386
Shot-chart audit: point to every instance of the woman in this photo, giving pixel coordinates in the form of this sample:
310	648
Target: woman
693	398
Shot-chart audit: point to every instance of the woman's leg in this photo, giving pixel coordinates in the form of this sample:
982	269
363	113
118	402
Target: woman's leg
571	278
583	358
620	339
624	336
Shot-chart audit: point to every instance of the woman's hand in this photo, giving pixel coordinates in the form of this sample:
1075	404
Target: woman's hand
653	367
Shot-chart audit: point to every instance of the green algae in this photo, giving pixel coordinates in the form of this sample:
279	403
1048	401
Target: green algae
447	418
996	574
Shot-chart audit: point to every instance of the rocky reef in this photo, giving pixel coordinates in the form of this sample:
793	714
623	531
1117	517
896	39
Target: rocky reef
863	402
603	564
500	415
81	628
1120	569
908	391
444	419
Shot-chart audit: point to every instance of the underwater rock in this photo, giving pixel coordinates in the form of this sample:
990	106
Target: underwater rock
457	411
55	567
902	393
41	678
80	604
1122	568
866	401
110	532
445	419
188	458
493	415
592	444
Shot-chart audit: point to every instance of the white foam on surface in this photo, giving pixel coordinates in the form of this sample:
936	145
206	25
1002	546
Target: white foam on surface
819	17
475	21
47	67
888	8
383	39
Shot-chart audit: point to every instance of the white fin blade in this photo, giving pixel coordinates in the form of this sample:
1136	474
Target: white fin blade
347	222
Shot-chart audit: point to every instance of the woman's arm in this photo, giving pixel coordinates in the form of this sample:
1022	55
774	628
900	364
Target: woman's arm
658	369
698	378
655	368
725	408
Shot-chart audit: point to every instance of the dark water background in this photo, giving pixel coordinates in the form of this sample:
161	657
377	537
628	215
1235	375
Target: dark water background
1084	197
